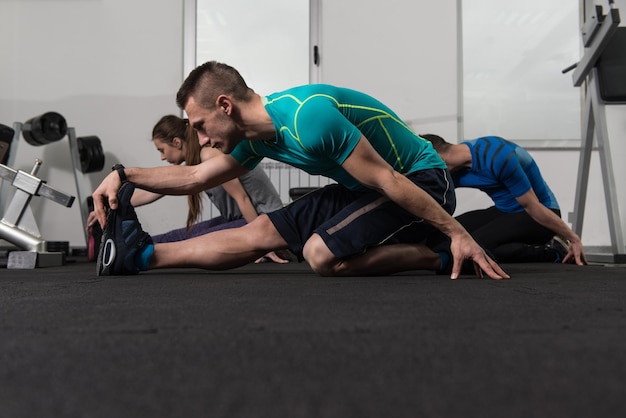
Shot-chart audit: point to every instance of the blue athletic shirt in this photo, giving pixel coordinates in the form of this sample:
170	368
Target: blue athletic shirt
504	171
318	126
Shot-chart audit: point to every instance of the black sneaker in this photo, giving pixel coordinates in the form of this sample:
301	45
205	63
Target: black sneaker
559	246
122	238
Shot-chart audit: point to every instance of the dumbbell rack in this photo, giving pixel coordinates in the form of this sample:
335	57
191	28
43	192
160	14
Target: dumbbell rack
18	225
79	169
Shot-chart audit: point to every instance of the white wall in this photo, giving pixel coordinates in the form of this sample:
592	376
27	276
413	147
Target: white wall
403	53
111	68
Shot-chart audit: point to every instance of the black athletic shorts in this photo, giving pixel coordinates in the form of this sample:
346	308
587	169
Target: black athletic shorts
350	222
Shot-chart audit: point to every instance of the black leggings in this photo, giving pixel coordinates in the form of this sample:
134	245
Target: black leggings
510	237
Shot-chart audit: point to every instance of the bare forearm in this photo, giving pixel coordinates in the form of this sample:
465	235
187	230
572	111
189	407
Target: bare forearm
553	222
414	199
143	197
173	180
248	212
462	245
238	193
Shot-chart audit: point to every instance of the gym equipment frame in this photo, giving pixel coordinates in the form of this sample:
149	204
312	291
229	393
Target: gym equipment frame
18	225
597	33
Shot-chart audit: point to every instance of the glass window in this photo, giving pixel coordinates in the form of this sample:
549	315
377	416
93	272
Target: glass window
267	42
513	57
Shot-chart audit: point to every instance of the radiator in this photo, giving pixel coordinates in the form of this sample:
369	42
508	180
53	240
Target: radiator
283	177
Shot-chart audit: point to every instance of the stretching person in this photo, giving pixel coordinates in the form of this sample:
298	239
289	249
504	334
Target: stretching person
522	224
390	210
239	200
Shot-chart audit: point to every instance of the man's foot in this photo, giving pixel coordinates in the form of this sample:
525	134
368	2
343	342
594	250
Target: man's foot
122	238
559	247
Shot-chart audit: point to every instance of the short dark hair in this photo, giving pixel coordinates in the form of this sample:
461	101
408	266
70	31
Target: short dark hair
207	81
438	142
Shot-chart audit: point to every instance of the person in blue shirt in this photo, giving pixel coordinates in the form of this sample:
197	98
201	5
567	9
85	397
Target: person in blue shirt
389	211
524	224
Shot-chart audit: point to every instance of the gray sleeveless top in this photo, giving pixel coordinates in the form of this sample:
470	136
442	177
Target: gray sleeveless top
260	189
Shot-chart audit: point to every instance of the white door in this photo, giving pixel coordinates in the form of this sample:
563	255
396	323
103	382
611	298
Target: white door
268	41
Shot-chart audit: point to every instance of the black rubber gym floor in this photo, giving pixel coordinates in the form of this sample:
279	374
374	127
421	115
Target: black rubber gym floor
278	341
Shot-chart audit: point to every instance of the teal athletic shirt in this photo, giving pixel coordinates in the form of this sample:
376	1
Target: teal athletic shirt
318	126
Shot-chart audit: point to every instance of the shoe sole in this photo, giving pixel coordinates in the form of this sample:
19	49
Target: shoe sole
108	252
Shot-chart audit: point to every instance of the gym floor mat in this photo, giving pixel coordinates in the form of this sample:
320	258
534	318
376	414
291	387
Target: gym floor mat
273	340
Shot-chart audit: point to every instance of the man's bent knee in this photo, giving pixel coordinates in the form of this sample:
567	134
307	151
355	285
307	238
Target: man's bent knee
319	257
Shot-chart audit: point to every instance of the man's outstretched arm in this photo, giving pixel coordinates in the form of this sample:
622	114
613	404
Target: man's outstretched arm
172	180
554	223
367	166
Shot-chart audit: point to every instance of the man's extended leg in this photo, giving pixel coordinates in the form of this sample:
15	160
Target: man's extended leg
221	250
127	249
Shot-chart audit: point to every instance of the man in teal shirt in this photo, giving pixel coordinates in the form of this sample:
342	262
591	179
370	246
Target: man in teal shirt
390	210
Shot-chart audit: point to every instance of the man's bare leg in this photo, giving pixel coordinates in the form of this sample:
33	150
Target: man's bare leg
221	250
377	261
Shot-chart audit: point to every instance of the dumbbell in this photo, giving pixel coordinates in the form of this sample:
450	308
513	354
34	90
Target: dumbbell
44	129
6	137
51	127
91	154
